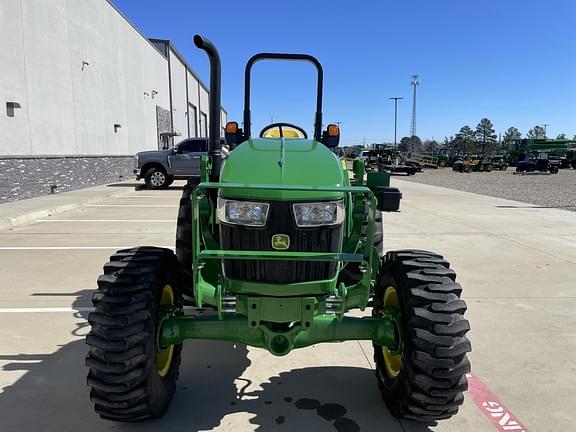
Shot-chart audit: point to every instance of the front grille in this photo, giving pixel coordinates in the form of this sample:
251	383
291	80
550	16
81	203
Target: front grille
280	221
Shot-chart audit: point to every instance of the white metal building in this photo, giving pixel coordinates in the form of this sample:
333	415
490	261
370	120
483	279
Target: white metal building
78	79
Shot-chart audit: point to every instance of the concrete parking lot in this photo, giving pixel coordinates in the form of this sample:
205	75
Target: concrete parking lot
515	261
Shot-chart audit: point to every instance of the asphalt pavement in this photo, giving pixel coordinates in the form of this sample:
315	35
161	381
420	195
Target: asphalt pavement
515	261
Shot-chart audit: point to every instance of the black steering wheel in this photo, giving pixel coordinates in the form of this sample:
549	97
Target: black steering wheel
283	130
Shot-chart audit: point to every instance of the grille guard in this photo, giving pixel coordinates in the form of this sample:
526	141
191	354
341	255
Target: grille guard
205	292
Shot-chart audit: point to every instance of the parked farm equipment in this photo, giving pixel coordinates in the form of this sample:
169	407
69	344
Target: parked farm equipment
386	159
472	163
537	162
499	162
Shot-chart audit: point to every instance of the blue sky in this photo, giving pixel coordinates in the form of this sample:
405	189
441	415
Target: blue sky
509	60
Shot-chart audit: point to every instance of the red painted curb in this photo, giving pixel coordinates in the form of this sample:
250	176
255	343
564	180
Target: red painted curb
491	407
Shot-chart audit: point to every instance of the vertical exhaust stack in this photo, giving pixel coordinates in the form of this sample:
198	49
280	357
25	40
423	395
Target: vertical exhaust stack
214	146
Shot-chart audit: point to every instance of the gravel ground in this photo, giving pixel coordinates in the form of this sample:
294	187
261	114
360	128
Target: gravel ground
31	177
547	190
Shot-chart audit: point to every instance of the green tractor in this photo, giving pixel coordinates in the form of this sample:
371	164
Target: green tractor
279	243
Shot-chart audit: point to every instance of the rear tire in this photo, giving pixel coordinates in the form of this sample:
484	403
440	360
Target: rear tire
553	169
130	378
184	237
428	384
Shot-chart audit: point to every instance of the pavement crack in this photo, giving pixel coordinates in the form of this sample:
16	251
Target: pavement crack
365	355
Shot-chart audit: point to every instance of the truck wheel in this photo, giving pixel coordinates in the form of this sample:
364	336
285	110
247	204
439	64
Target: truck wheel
488	168
130	376
184	237
426	380
156	178
553	169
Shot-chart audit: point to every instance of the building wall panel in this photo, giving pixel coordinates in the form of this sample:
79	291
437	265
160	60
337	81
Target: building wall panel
15	130
179	96
77	68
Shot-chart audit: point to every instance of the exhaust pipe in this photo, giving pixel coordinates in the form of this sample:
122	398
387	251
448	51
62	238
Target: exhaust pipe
214	146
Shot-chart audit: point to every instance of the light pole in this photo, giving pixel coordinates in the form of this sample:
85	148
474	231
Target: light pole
545	127
395	120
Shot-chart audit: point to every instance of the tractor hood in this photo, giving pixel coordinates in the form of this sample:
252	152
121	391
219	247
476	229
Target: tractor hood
279	161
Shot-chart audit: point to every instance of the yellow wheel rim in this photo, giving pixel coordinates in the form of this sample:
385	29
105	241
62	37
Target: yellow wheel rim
392	363
164	355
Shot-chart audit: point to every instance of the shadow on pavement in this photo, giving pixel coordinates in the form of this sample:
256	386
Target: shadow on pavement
339	399
135	185
141	186
52	395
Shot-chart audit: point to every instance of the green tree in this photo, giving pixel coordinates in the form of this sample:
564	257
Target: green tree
465	139
404	145
561	136
451	143
457	144
411	144
486	135
416	144
512	134
537	132
430	146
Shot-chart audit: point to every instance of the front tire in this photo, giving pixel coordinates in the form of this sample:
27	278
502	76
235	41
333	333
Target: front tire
426	380
131	378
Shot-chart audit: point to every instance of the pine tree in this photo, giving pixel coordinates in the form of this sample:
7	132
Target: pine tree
486	135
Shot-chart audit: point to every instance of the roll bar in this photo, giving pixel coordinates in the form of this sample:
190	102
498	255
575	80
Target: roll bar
281	56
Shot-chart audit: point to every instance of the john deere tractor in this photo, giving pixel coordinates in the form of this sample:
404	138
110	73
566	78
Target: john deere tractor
280	244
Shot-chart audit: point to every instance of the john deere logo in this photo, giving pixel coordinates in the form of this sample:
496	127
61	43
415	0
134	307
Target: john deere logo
280	241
